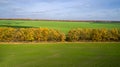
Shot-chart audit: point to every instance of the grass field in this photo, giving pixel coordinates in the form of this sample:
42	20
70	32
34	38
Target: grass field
62	26
60	55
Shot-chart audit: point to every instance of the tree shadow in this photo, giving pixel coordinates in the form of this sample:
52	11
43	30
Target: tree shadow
105	22
17	26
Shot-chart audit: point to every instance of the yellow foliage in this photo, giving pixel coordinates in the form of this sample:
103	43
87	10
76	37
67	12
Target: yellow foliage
30	34
45	34
93	35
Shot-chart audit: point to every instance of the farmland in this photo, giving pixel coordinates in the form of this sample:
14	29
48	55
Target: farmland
60	55
63	26
56	54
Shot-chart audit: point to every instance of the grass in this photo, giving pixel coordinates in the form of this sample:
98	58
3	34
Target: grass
60	55
62	26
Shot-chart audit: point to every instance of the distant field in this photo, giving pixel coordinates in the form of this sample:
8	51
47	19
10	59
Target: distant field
60	25
60	55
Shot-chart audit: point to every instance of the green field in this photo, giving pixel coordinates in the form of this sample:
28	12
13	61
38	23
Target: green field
60	55
62	26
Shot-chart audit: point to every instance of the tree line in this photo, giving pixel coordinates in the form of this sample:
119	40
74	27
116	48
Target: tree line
46	35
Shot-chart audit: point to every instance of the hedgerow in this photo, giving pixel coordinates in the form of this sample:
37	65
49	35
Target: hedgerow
6	34
93	35
45	34
30	34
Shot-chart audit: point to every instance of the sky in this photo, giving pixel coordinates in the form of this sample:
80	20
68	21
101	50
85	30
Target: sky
61	9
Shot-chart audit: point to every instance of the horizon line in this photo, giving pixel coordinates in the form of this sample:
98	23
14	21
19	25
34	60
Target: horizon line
60	20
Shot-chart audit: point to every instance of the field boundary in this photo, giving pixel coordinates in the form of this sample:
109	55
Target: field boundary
51	42
58	20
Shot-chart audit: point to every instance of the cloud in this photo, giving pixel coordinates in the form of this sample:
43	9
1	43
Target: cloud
61	9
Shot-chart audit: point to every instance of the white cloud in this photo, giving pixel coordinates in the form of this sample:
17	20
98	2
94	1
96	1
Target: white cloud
58	9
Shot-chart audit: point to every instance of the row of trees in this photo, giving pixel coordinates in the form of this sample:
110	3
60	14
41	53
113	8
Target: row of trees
45	34
93	35
30	34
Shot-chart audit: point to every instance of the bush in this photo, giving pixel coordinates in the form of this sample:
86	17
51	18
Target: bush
93	35
114	34
30	34
24	34
55	35
45	34
7	34
79	34
41	34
